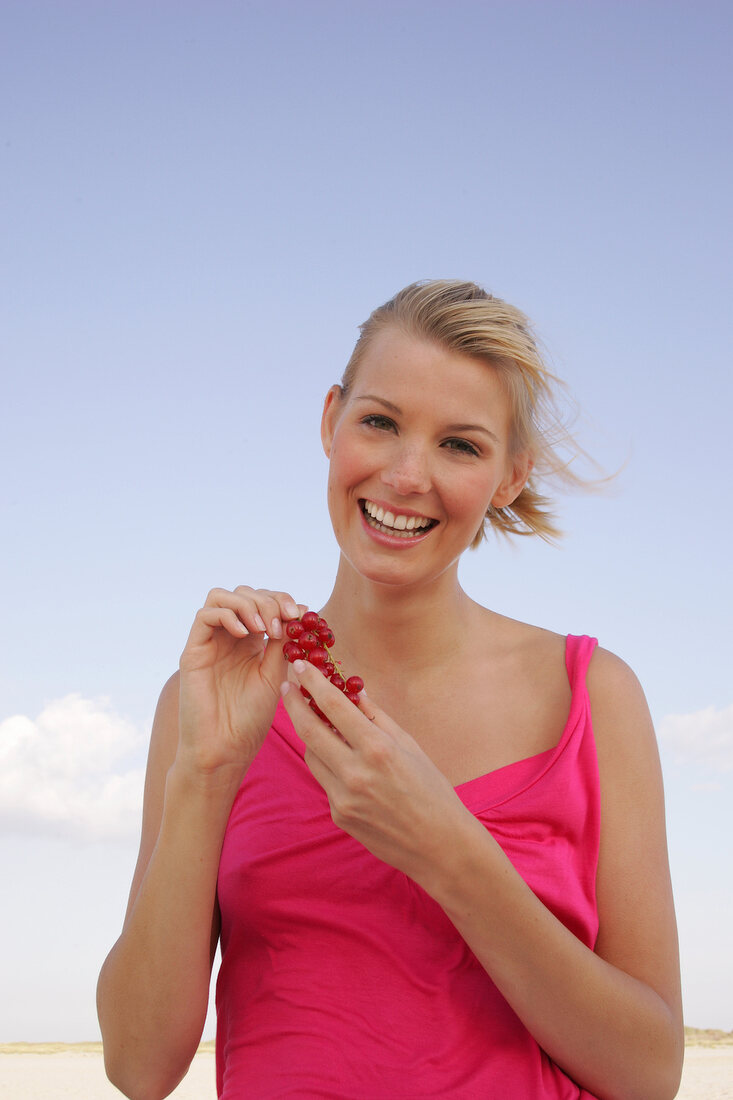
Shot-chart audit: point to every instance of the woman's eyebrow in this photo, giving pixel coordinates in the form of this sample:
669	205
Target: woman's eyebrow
380	401
449	427
472	428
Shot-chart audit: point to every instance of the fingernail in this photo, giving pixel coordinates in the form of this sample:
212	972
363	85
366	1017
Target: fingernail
276	630
259	623
298	666
285	687
293	610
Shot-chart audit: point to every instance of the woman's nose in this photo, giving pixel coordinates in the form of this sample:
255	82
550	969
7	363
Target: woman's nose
408	472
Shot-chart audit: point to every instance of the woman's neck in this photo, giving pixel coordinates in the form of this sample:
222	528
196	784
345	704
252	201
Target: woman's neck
377	625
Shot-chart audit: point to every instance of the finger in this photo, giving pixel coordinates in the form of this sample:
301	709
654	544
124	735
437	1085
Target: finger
379	717
274	664
209	619
320	739
367	707
351	722
246	608
274	607
261	611
285	609
320	771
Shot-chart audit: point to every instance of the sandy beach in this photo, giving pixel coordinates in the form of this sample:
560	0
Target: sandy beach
56	1071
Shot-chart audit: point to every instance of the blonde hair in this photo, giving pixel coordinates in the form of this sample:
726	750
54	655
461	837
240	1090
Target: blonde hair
462	317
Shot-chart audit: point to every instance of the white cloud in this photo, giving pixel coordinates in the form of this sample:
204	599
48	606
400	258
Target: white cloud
705	737
68	772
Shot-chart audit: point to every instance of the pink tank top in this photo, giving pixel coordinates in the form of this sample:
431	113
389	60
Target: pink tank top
341	979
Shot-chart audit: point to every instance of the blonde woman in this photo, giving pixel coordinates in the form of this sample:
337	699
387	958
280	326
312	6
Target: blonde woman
458	887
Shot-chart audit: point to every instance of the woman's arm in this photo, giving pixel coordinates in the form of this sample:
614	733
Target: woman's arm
153	989
211	719
610	1018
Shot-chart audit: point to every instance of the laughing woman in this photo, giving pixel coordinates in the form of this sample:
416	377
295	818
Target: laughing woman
459	887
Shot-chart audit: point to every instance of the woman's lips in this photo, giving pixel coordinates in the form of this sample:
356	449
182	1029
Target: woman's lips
395	524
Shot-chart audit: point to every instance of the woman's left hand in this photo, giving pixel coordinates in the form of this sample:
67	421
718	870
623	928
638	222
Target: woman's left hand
382	788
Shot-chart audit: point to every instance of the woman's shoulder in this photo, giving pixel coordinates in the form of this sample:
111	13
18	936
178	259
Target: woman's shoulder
626	743
523	641
610	679
623	729
613	686
529	660
615	689
534	660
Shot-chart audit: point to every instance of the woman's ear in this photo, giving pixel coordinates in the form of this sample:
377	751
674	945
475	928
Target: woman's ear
514	482
331	409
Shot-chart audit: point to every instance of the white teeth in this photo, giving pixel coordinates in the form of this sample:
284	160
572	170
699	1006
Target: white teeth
397	523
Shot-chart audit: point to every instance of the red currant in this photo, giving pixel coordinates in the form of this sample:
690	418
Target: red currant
293	652
326	635
310	638
319	658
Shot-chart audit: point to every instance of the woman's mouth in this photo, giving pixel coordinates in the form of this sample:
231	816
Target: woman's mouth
397	524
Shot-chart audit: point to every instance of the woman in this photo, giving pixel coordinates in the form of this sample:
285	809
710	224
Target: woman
460	890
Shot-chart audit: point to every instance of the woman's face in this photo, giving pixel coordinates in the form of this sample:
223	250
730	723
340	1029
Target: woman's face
418	449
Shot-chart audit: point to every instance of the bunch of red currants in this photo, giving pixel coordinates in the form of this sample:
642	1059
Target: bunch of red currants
309	639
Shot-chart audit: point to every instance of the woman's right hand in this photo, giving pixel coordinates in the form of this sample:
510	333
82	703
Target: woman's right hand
210	722
230	675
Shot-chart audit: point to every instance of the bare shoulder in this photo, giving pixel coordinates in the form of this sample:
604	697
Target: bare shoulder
529	645
621	720
611	679
523	679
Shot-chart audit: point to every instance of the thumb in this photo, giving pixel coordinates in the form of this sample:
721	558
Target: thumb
274	665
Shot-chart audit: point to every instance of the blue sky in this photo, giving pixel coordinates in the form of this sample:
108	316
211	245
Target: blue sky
200	203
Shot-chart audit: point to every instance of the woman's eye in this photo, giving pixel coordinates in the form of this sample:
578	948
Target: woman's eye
375	420
461	445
